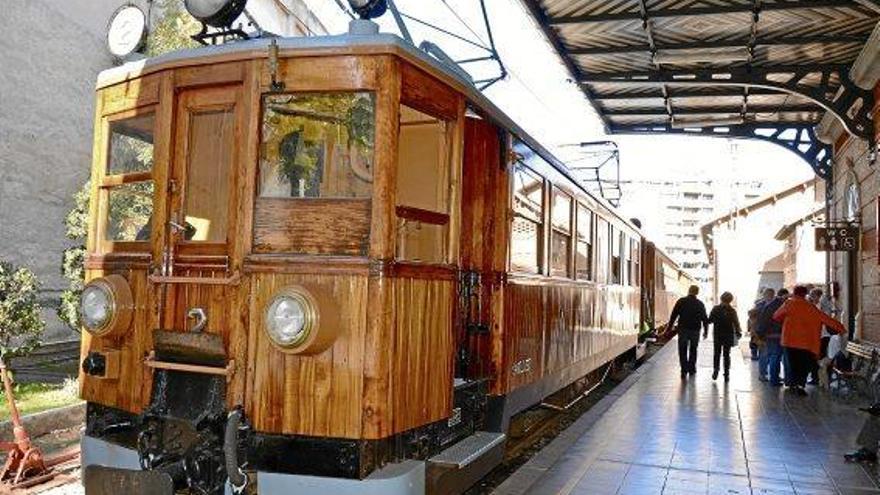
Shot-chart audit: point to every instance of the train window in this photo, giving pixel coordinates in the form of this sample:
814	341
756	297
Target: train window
131	145
584	254
422	187
127	186
317	145
560	249
616	265
603	246
526	234
209	160
635	270
129	209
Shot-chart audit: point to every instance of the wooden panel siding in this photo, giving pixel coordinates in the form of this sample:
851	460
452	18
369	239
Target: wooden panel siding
423	351
312	226
317	395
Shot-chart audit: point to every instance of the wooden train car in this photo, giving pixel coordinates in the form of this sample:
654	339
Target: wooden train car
330	265
663	283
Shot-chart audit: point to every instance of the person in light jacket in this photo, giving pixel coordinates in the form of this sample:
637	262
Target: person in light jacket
725	333
802	325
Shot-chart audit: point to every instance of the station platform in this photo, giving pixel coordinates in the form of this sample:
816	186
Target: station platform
659	434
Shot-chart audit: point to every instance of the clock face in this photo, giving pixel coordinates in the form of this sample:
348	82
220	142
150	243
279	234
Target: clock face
126	31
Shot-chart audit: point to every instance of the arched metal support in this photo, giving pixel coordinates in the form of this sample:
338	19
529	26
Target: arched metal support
851	104
798	138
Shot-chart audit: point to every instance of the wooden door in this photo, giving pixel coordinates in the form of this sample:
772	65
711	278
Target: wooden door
483	247
199	266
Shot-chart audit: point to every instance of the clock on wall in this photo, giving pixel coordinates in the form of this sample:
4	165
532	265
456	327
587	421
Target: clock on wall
126	31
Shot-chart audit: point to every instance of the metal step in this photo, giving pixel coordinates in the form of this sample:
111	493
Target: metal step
457	468
468	450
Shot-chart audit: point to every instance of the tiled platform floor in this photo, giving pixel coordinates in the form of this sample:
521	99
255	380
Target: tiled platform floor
672	436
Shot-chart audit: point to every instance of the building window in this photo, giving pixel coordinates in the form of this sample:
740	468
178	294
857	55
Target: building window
584	254
560	249
527	231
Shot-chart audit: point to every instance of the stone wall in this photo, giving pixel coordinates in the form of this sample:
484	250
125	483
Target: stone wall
852	163
50	53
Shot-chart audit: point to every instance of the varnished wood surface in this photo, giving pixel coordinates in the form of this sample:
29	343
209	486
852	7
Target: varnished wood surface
422	351
549	326
312	226
318	395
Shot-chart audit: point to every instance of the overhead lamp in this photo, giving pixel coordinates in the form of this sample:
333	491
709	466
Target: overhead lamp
701	123
215	13
702	55
369	9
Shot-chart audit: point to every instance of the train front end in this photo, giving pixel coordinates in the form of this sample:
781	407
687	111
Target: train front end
259	275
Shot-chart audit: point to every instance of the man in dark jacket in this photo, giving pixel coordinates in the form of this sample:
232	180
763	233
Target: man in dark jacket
690	313
773	334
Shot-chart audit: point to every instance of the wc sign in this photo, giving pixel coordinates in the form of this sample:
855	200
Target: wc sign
844	238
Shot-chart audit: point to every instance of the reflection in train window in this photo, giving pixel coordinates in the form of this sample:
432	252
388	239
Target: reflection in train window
127	187
526	233
561	238
129	210
584	254
317	145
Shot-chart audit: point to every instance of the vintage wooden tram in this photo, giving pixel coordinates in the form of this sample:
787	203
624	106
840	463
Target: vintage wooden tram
330	265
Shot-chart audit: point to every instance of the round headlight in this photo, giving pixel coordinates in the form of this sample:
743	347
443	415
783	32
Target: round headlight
106	305
96	307
290	319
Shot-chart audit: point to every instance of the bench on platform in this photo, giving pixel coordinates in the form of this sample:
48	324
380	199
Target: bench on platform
863	377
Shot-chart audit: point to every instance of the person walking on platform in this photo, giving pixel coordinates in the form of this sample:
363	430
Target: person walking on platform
758	332
725	333
769	364
801	334
690	313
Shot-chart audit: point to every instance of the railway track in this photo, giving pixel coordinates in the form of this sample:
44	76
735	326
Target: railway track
63	469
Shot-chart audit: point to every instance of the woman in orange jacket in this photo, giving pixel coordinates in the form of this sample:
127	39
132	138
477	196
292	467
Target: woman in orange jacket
802	325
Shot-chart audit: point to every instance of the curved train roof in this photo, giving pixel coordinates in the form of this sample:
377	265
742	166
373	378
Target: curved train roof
382	43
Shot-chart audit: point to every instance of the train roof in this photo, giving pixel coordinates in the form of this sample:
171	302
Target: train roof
372	44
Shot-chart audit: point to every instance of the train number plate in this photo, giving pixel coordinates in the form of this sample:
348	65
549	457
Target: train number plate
522	366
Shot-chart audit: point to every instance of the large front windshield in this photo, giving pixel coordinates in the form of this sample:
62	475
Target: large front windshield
317	145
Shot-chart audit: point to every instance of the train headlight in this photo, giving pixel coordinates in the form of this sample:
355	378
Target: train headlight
106	305
290	319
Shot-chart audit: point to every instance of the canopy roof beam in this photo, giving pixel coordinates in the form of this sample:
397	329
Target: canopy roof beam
851	104
703	45
798	138
704	11
767	109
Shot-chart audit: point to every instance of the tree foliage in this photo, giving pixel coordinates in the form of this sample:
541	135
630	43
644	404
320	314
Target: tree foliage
76	228
173	29
20	322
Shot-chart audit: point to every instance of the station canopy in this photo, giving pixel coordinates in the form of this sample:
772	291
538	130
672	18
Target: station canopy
763	69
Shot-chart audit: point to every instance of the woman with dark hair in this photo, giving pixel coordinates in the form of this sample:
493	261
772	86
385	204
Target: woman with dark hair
725	332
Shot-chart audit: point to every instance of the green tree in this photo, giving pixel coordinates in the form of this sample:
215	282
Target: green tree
172	30
20	322
76	228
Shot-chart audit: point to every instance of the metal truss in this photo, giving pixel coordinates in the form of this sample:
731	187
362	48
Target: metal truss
797	138
851	104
